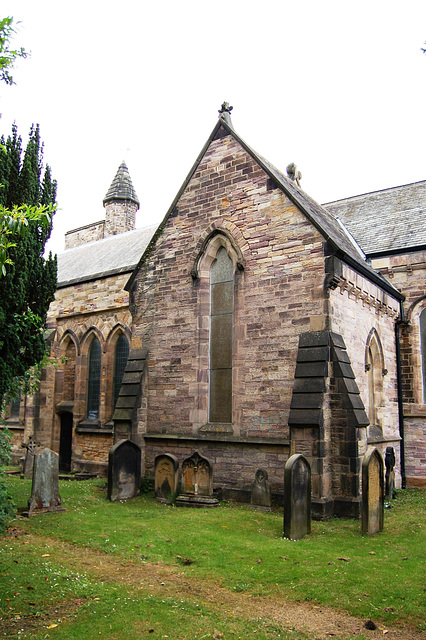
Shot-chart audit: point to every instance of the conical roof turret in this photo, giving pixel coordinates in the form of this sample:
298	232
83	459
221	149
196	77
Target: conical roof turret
121	187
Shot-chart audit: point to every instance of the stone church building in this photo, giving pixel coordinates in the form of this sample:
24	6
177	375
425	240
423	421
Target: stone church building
253	323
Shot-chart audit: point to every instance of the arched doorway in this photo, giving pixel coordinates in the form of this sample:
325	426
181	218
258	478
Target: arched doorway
65	442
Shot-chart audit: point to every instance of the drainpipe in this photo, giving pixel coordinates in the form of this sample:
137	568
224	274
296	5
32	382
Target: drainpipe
399	390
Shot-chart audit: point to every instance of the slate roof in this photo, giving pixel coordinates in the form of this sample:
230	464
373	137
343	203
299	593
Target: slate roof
114	254
121	187
388	221
327	224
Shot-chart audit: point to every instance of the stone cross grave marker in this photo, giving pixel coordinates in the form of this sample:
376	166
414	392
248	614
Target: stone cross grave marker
390	472
45	487
261	491
31	449
124	470
297	497
166	477
197	483
372	508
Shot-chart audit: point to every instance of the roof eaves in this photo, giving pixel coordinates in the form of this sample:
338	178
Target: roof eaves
96	276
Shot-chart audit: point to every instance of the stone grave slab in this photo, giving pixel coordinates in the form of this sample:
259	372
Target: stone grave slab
124	471
261	491
372	506
166	477
197	483
297	497
45	487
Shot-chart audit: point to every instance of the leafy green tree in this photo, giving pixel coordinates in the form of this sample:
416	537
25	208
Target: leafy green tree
8	56
29	285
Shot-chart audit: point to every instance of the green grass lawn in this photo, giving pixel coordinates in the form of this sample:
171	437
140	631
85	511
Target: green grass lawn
47	575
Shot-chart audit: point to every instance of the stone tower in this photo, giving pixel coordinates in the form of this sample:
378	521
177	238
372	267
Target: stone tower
121	203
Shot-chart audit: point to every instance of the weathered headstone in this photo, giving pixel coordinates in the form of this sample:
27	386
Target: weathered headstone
166	477
372	492
124	470
297	497
197	483
32	447
45	487
261	491
390	472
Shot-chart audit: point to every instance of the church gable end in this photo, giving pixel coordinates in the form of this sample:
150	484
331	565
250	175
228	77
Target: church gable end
276	291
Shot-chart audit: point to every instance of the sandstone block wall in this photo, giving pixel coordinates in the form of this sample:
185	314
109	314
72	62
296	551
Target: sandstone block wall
357	307
82	235
277	295
407	272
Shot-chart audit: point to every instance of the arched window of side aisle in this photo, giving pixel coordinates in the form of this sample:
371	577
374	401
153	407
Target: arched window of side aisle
423	350
374	367
221	330
94	380
120	360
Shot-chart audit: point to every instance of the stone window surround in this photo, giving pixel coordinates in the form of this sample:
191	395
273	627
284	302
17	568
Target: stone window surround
413	319
201	275
375	368
82	347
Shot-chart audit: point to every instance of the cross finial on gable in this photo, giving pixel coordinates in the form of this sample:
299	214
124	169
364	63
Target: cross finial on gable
225	113
226	107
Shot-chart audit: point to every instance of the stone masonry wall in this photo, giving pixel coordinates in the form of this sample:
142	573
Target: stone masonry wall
356	308
98	307
120	216
82	235
407	272
278	295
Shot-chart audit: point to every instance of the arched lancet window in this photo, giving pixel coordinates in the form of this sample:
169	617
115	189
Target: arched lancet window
221	330
120	360
94	380
374	366
423	350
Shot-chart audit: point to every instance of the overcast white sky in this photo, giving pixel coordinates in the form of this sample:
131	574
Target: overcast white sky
339	87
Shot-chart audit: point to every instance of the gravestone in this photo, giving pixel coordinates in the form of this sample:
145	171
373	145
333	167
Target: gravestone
32	447
297	497
261	491
166	477
45	487
372	510
197	483
390	472
124	470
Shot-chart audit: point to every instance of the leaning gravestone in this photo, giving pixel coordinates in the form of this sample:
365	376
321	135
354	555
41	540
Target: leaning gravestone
390	472
297	497
261	491
124	470
197	483
45	488
166	477
372	509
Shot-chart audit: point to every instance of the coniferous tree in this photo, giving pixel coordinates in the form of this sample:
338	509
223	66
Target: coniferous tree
29	285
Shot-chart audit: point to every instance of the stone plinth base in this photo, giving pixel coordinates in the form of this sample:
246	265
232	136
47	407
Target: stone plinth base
416	482
39	512
185	500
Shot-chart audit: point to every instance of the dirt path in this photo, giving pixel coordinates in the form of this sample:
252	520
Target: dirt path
318	622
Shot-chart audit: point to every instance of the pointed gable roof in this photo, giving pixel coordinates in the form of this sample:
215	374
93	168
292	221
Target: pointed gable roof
332	229
121	187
